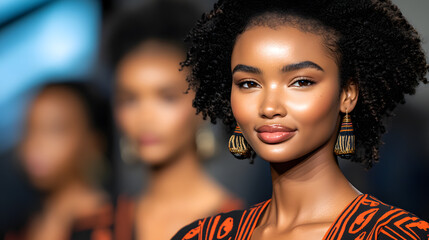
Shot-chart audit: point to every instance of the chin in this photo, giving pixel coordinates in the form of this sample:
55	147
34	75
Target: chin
151	160
154	158
278	153
42	184
275	157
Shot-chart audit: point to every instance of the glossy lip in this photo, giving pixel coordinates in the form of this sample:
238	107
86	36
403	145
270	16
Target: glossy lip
274	134
149	139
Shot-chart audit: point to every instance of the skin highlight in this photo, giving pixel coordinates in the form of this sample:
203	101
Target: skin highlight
291	81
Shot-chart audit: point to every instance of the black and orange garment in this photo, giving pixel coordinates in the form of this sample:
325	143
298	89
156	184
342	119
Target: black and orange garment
365	218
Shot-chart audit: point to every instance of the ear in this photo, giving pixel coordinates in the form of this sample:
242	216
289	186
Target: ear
349	96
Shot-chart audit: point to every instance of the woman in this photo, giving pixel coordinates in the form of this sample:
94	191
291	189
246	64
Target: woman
62	149
157	119
297	77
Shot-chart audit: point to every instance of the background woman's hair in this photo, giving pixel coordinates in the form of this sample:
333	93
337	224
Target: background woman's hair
96	107
165	20
375	47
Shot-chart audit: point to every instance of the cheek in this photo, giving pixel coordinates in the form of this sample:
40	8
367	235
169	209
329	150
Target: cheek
53	155
68	149
316	114
127	119
244	107
180	121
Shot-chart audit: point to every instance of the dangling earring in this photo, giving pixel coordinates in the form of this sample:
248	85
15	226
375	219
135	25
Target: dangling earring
345	146
206	141
238	146
128	151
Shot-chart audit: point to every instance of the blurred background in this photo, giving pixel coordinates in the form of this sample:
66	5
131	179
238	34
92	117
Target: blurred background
42	40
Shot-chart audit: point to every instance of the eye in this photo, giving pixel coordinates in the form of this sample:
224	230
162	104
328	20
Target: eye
126	99
302	82
170	98
248	84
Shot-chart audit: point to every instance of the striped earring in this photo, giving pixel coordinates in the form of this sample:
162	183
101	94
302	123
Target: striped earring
345	146
238	146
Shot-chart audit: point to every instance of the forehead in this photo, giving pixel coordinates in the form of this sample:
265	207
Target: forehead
58	103
280	45
151	68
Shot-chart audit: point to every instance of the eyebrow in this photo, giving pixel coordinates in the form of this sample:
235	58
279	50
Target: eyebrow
245	68
301	65
287	68
168	89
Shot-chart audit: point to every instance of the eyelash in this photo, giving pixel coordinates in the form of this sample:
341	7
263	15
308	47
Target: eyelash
242	84
303	80
255	84
126	100
170	98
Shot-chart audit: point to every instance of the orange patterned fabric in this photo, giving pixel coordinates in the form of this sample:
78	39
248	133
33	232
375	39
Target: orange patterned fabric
365	218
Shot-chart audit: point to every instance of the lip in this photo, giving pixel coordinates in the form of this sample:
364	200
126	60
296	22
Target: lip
37	167
274	134
147	140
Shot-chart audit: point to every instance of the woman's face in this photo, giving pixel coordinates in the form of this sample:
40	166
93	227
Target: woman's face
152	108
57	139
285	92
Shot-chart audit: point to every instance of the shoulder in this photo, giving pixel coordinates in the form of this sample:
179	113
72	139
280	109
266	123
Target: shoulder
369	218
231	203
396	223
223	225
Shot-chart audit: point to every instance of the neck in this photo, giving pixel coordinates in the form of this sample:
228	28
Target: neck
306	189
178	176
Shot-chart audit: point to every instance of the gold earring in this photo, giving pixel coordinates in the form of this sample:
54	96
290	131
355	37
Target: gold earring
238	146
206	141
345	145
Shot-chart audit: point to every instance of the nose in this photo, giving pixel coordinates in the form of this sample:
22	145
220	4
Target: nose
272	104
147	113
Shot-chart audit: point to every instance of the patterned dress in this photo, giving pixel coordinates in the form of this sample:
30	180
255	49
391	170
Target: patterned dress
364	218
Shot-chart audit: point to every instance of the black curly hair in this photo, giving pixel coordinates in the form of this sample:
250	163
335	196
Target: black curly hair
374	45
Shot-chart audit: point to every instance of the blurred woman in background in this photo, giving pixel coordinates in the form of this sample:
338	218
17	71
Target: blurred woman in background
62	148
158	121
